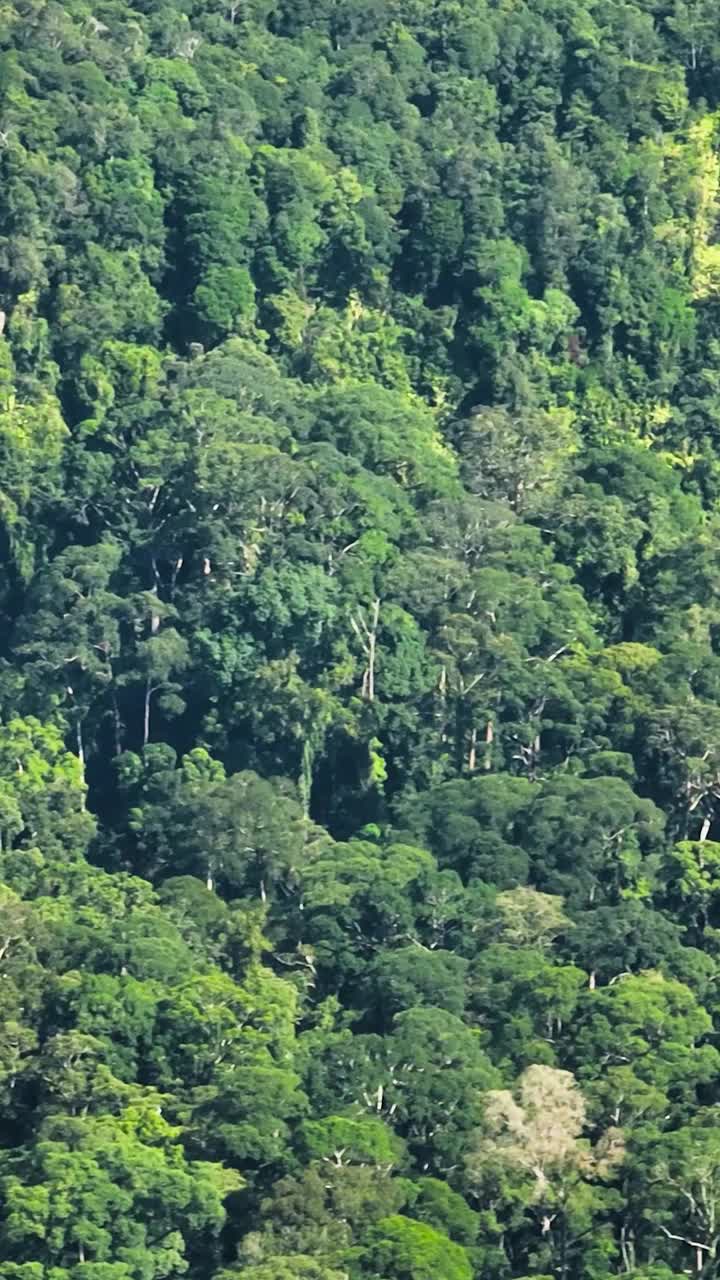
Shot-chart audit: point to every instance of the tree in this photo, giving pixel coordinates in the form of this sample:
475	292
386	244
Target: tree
69	643
530	1148
690	873
628	938
322	1210
42	790
399	1247
32	440
411	977
520	458
347	1140
526	1000
530	918
446	1210
240	834
89	1189
603	817
678	1187
359	890
654	1025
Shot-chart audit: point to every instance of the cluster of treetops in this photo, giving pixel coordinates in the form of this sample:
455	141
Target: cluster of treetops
360	659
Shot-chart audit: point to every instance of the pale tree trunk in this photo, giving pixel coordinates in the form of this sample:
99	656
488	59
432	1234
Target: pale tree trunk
81	758
306	777
489	739
472	753
146	712
155	616
442	689
175	571
627	1249
372	649
367	635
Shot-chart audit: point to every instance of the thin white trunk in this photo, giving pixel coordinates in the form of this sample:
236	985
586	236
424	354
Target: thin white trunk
155	616
489	739
146	712
81	758
367	635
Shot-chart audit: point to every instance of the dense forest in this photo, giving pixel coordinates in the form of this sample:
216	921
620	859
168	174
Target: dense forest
360	667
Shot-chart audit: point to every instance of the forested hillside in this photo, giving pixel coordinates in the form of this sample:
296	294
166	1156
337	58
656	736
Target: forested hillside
360	658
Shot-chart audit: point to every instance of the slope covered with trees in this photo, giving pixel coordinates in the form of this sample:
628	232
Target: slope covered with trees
360	667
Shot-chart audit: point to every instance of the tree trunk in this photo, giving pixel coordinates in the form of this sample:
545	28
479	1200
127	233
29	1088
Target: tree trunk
372	650
367	635
306	777
175	571
489	739
442	689
146	712
155	616
117	724
472	753
81	758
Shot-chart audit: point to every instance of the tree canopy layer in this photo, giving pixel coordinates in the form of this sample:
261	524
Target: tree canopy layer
360	657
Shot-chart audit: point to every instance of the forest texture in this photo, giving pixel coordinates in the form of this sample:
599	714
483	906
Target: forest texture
360	658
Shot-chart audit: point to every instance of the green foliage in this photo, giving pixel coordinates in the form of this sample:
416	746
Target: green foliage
413	1251
360	674
87	1182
